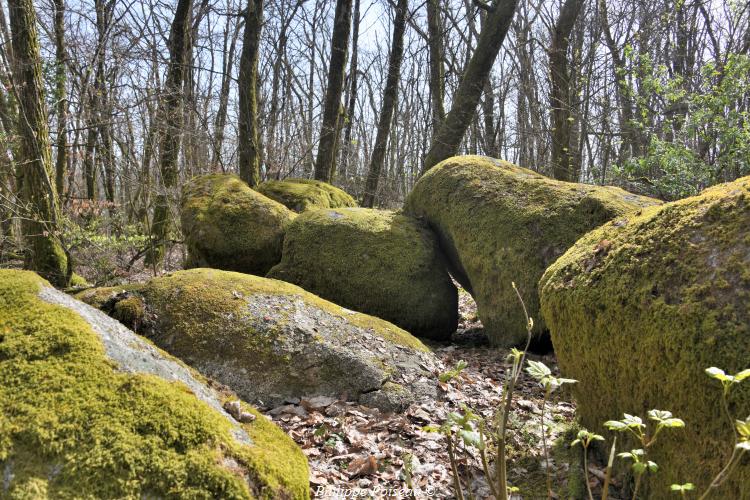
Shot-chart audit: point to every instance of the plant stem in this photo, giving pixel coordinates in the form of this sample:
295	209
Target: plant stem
608	472
544	445
586	472
637	485
724	474
486	469
454	468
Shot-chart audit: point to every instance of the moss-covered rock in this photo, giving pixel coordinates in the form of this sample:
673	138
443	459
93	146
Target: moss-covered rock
229	226
271	341
499	224
373	261
306	194
640	307
88	409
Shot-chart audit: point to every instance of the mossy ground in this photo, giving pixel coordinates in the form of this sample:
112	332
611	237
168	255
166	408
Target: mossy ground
499	223
301	195
73	426
640	307
374	261
229	226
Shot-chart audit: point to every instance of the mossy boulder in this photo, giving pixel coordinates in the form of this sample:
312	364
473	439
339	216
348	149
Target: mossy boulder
306	194
271	341
229	226
499	223
88	409
640	307
373	261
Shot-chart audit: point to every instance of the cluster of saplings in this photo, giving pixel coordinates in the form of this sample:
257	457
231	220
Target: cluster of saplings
296	292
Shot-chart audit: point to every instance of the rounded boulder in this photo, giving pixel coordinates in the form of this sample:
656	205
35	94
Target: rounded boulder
306	194
377	262
639	309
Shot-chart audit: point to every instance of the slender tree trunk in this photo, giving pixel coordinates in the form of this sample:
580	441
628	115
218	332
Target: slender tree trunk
249	137
34	172
221	115
352	102
389	103
325	162
169	121
437	72
561	120
62	98
451	132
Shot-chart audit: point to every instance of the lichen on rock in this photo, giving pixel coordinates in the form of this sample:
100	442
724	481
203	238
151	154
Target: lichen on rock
88	409
271	341
229	226
640	307
377	262
499	223
301	195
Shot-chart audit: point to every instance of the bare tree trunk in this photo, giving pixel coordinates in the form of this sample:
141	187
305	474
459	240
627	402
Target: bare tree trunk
437	72
169	121
249	137
561	120
389	103
221	114
352	101
451	132
325	162
34	172
62	98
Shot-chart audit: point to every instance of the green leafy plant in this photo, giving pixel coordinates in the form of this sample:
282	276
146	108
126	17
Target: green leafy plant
449	375
584	439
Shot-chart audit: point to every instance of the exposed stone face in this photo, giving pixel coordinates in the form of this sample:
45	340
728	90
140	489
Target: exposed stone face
229	226
301	195
640	307
377	262
271	341
92	410
499	223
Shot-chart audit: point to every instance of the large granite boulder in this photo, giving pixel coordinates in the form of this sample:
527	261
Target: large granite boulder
373	261
640	307
229	226
272	342
89	409
306	194
499	224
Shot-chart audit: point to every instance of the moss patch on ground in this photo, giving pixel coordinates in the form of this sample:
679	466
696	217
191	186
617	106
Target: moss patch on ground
377	262
640	307
73	426
306	194
499	223
229	226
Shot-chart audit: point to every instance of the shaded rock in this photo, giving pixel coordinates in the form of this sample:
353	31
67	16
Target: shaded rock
373	261
92	410
271	341
499	223
640	307
229	226
306	194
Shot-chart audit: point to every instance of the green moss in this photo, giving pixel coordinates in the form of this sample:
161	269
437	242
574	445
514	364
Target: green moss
227	225
78	281
306	194
73	426
207	297
640	307
499	223
373	261
129	311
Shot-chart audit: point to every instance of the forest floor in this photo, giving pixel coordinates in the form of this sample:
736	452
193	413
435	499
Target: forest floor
354	450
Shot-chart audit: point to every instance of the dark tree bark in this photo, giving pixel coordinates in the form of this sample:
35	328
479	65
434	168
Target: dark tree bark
325	162
62	98
437	72
221	115
34	172
389	104
352	101
249	137
448	138
169	121
564	166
